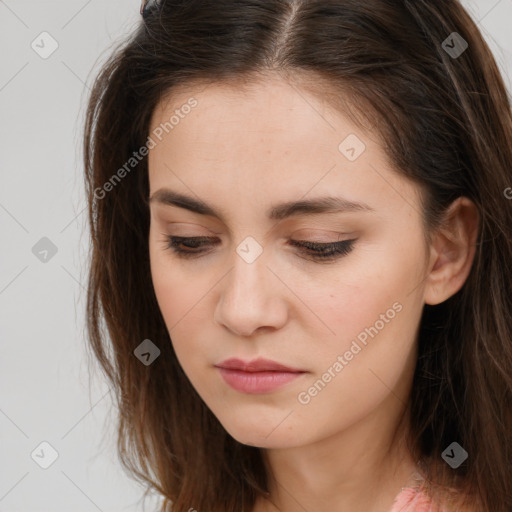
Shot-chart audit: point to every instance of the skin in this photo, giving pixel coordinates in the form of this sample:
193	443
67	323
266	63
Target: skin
243	151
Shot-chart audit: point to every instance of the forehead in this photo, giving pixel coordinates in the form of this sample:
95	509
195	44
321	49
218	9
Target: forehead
264	106
272	119
265	139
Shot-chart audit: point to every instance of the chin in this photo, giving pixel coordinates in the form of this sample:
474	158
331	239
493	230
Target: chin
260	440
263	434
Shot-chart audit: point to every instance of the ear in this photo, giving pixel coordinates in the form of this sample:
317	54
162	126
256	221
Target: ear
452	251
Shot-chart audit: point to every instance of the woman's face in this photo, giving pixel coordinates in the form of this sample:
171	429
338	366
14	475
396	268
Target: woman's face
348	323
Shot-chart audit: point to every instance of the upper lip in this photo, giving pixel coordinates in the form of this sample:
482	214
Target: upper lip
256	365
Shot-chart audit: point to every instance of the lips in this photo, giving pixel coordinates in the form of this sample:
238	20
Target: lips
257	365
257	376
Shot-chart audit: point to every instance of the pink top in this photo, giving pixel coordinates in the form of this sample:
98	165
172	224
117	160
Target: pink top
412	499
415	498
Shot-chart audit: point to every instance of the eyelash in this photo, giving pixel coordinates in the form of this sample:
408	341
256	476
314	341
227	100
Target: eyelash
324	251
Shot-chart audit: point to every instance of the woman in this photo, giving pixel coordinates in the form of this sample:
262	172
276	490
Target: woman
301	246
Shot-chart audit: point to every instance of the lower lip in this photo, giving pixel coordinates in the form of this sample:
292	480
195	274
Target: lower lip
257	382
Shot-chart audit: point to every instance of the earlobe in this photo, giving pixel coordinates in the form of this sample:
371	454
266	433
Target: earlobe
452	251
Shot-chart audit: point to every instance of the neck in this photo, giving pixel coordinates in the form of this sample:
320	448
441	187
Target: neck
362	468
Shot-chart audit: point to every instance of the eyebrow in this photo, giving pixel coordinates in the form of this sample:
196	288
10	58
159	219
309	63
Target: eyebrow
327	204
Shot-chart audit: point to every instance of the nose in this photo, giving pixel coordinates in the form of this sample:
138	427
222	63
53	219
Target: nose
251	298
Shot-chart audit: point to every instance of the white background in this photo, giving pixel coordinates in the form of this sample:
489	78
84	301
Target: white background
48	392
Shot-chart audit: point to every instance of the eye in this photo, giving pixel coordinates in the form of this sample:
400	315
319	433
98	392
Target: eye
325	251
190	247
176	243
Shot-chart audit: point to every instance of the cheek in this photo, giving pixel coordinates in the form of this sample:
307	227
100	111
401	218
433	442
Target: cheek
178	296
356	296
175	291
378	353
179	300
374	317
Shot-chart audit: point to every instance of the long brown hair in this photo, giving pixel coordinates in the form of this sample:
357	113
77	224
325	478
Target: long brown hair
447	124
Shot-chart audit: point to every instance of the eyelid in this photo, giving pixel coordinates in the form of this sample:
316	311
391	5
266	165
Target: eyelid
308	234
191	226
319	252
305	233
322	240
316	230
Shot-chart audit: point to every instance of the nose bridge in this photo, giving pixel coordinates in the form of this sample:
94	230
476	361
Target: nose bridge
247	279
249	294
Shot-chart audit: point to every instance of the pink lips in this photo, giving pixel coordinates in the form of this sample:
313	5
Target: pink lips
257	376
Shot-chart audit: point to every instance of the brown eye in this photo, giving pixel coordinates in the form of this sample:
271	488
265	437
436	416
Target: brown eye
331	250
188	247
